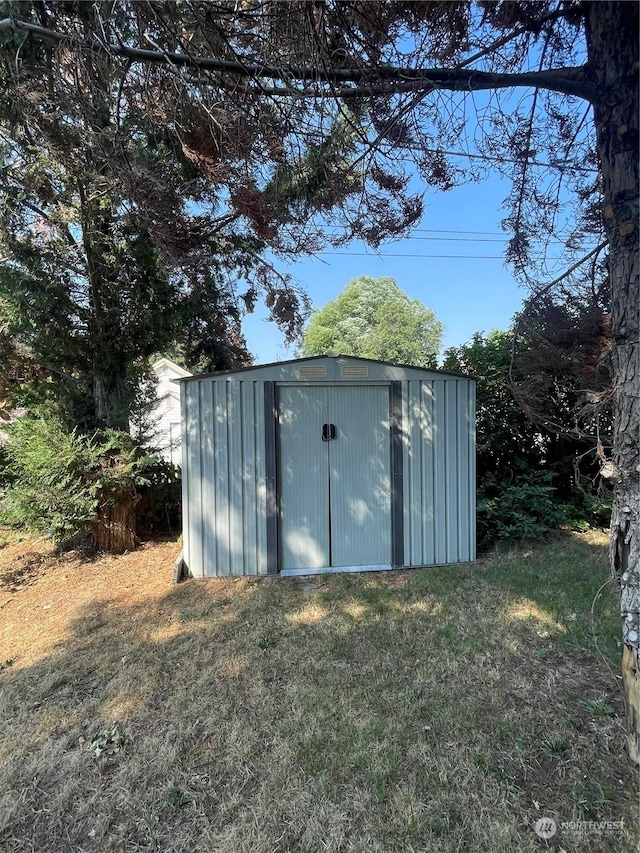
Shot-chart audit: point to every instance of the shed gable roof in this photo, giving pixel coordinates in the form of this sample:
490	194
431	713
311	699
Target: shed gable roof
321	368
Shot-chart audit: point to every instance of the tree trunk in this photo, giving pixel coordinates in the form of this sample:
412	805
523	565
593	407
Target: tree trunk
111	399
612	40
115	528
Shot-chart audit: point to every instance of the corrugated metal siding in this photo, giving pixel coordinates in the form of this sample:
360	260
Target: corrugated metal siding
439	472
225	469
186	477
471	473
224	498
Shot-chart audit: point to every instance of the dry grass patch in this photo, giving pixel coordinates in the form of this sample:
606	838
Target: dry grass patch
428	710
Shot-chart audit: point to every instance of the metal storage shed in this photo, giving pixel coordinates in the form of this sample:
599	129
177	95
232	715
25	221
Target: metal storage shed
329	463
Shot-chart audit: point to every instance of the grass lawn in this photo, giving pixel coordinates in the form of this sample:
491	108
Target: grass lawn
430	710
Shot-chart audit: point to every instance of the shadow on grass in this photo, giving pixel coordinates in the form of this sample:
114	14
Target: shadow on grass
564	588
405	710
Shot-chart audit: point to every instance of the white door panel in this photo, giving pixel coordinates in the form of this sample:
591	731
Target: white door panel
360	487
303	478
335	496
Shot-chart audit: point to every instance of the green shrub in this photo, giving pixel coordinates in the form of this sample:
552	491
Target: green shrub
59	480
159	510
588	508
5	476
54	486
517	511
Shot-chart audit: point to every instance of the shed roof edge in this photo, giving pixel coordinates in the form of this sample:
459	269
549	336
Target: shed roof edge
214	374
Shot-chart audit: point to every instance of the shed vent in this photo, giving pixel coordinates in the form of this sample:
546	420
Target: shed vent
355	371
312	371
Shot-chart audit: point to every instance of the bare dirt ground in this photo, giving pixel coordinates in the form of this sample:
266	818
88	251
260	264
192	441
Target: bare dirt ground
41	593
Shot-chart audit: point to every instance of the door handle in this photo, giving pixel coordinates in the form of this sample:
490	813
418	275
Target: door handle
328	432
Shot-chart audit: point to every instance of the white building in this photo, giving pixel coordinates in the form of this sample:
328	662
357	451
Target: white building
166	415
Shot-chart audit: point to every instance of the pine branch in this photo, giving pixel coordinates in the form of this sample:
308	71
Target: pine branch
384	80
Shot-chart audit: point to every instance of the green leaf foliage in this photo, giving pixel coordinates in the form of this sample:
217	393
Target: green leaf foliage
513	512
140	202
525	476
507	441
374	318
58	479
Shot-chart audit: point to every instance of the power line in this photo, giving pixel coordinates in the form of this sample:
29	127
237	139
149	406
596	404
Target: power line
452	231
460	239
474	240
402	255
451	239
492	236
383	255
502	234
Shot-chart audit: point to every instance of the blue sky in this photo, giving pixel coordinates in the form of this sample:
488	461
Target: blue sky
468	294
473	293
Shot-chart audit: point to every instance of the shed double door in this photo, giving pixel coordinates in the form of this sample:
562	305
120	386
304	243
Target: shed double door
334	478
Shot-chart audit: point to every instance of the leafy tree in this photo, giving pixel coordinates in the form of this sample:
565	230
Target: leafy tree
514	490
508	442
298	85
559	372
110	254
374	318
134	208
116	245
526	467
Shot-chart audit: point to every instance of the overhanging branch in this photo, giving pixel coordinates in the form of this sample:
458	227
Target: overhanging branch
367	82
